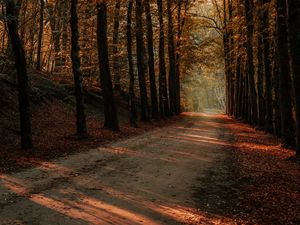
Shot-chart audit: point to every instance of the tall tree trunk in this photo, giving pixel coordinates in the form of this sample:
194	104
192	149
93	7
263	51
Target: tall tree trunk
132	104
20	63
140	52
239	90
80	111
237	82
163	90
294	41
252	118
267	69
40	36
153	89
65	32
226	56
180	27
116	61
231	56
55	11
172	60
260	74
287	122
110	112
245	94
276	123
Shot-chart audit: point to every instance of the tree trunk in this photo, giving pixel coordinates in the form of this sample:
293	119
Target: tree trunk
252	117
153	89
132	104
55	12
231	58
65	32
80	111
110	112
294	41
116	62
20	63
276	123
226	56
260	73
172	60
140	51
267	70
180	25
287	122
40	36
239	98
163	90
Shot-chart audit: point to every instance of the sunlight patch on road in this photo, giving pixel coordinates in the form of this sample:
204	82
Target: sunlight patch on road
199	140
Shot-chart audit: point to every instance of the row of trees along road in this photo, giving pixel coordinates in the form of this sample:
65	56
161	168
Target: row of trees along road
262	60
54	35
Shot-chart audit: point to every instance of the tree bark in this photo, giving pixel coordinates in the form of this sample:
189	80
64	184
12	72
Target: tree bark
276	123
287	121
294	41
267	70
80	109
22	77
180	28
260	72
65	32
132	103
110	112
180	25
151	68
226	56
163	90
40	36
55	12
231	58
140	51
252	117
116	66
172	60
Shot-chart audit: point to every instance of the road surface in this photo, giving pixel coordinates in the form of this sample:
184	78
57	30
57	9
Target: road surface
154	178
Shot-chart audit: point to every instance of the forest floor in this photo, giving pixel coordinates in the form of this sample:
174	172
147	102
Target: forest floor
54	135
53	122
203	169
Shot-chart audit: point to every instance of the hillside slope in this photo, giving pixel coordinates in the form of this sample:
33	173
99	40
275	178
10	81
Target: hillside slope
53	122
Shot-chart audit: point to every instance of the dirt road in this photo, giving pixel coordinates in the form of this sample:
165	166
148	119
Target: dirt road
155	178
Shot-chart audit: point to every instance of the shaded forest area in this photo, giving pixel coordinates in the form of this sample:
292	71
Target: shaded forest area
145	56
261	45
121	57
79	74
